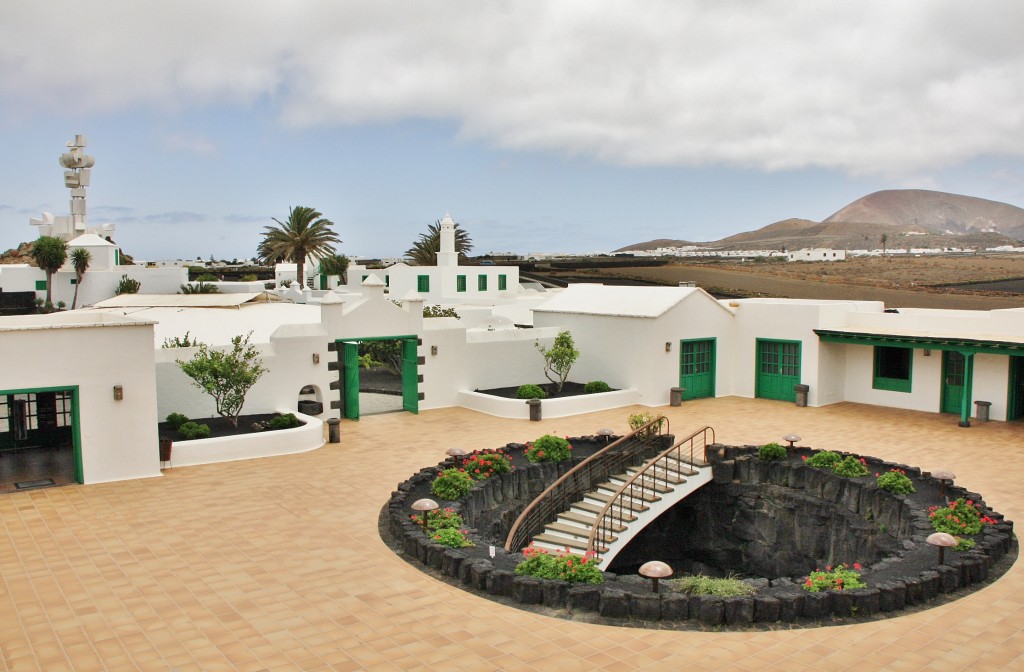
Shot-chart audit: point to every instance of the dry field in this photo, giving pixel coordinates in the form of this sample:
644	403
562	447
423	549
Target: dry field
907	282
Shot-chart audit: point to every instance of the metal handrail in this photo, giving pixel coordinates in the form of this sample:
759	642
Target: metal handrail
641	485
579	480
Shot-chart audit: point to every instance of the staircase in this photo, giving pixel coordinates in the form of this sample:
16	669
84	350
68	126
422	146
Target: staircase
613	512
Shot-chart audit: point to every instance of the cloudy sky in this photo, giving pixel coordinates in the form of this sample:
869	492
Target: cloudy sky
561	126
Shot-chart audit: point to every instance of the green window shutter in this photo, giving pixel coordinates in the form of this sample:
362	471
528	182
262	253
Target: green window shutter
502	282
481	283
423	283
40	285
460	283
387	280
74	282
893	369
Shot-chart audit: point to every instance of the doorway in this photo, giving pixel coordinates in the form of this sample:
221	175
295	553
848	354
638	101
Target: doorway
697	368
1015	397
778	369
952	381
378	375
39	439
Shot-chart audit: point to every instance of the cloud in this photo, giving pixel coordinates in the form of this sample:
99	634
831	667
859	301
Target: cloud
175	217
188	143
873	87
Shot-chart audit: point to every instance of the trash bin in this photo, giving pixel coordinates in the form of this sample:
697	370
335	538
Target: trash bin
801	394
165	448
982	413
675	396
534	405
334	430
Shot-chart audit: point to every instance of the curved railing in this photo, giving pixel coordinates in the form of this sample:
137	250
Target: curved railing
585	476
617	512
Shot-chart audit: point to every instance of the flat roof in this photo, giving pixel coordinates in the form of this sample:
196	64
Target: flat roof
226	300
595	299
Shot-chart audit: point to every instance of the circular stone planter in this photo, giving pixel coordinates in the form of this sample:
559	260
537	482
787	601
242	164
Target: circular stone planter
902	575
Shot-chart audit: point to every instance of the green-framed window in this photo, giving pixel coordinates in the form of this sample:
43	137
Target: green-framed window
893	368
502	282
74	282
481	283
460	283
40	285
423	283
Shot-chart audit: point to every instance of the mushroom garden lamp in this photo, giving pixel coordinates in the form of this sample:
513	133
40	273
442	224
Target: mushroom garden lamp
943	476
426	506
943	541
654	570
792	438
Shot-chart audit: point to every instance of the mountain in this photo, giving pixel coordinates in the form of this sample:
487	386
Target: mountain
904	216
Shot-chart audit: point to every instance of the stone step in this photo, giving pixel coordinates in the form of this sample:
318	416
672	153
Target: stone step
561	543
594	508
574	532
577	518
662	476
647	481
605	491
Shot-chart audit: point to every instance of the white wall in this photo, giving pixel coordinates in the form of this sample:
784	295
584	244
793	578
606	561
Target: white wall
118	438
96	285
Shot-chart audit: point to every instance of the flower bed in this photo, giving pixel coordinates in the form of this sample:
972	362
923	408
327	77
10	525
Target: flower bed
904	580
308	436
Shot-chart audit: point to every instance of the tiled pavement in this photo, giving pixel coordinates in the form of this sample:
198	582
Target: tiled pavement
275	564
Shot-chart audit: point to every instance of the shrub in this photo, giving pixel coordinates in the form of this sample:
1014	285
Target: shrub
707	585
207	277
452	537
549	448
559	358
851	467
438	311
226	375
487	463
596	386
248	277
530	392
176	420
895	481
560	567
127	286
451	484
441	519
772	451
824	459
962	517
840	578
286	421
193	430
638	420
180	341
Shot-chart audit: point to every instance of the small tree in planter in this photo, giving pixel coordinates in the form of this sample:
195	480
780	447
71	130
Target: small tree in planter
559	358
226	376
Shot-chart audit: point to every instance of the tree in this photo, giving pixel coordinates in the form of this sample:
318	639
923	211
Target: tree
885	239
201	287
80	258
559	358
306	232
49	253
335	265
226	376
127	286
424	251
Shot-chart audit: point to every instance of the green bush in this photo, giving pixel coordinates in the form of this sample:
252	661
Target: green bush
486	463
851	467
596	386
530	392
895	481
824	459
560	567
707	585
840	578
176	420
248	277
638	420
441	519
772	451
454	538
207	277
549	448
957	518
286	421
451	484
193	430
127	286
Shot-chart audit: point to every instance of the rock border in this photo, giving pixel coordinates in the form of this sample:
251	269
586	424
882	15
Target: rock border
622	598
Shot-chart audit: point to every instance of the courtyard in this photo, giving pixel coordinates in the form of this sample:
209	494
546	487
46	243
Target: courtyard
276	564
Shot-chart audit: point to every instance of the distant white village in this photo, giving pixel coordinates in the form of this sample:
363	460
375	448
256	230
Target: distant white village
95	381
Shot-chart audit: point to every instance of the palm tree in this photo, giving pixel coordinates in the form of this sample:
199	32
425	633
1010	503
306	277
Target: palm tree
80	258
49	253
202	287
424	251
305	233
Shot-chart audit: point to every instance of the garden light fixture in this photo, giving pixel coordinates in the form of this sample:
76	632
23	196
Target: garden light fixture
792	438
654	570
943	541
457	453
606	433
426	506
942	477
118	393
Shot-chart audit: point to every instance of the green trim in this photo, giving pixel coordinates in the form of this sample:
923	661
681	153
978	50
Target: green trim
460	283
766	384
481	283
502	282
40	285
964	345
423	283
880	382
76	422
74	282
711	374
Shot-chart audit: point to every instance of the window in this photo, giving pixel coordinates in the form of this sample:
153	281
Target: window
892	368
481	283
460	283
40	285
502	282
423	283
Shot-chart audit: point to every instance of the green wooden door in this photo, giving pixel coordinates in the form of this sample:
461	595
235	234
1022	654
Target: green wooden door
410	376
697	368
778	369
1015	398
952	381
350	365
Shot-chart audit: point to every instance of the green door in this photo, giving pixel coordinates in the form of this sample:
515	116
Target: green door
778	369
697	368
1015	399
350	375
952	381
410	376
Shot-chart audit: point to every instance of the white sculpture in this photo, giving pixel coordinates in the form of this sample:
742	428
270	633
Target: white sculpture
76	178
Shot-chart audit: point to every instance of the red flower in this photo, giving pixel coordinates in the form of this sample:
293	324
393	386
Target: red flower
856	566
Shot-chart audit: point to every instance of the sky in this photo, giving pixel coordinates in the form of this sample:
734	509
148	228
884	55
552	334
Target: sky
576	126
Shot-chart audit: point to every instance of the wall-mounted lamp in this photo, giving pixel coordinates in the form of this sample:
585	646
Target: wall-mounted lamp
433	349
927	352
316	357
668	346
118	393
